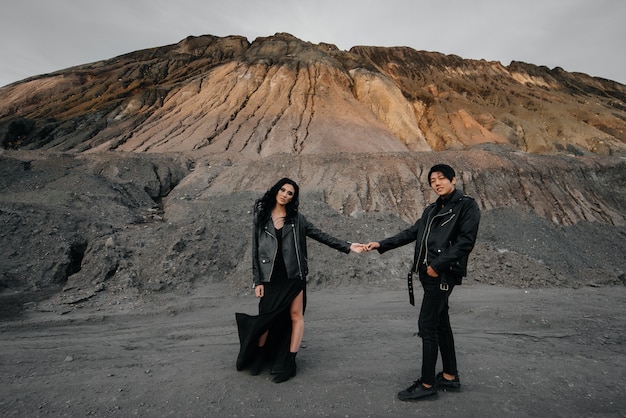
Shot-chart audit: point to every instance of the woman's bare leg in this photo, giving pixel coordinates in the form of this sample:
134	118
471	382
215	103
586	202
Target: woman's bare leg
297	322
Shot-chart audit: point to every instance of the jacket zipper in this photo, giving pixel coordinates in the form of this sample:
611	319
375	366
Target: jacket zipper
295	244
275	253
451	218
427	234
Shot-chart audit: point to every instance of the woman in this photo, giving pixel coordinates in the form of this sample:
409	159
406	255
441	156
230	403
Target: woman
279	267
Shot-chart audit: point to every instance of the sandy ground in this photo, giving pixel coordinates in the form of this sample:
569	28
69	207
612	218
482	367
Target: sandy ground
522	352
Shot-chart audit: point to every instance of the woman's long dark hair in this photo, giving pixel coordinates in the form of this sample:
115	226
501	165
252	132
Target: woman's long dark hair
263	206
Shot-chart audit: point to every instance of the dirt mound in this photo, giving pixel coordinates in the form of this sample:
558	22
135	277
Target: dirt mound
103	229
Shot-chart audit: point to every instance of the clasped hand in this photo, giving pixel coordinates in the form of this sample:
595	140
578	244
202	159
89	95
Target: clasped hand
359	248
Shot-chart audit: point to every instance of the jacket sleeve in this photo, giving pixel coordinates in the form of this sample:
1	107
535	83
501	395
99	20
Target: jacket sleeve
401	238
320	236
462	245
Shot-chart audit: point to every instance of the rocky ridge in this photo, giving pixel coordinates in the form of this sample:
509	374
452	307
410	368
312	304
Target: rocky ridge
135	176
280	94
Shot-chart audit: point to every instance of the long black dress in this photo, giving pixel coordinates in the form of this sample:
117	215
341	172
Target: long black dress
274	315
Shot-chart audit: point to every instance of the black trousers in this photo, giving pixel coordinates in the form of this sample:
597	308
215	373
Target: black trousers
435	330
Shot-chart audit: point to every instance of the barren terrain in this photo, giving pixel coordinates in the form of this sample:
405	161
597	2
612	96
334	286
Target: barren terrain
136	265
522	352
126	189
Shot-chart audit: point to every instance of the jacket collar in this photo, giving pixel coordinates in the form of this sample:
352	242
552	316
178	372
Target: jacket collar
453	197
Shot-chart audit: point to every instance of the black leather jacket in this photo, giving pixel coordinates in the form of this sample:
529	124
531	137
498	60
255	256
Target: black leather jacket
295	231
444	236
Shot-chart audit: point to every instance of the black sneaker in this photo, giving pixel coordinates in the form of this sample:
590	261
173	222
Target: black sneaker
445	384
417	391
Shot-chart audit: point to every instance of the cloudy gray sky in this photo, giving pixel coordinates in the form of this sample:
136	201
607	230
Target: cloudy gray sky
39	36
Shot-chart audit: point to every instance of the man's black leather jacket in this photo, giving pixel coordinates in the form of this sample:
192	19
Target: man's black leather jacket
295	231
444	236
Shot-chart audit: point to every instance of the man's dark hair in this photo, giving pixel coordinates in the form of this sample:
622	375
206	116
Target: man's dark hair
444	169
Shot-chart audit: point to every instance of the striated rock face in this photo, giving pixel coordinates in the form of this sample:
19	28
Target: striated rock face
282	95
535	109
137	174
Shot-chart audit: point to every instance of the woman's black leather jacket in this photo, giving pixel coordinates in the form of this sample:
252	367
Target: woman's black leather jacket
444	236
295	231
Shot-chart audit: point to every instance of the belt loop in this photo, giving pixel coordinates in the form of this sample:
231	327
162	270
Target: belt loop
443	285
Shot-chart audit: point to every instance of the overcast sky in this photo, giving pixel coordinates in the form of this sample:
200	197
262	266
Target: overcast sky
40	36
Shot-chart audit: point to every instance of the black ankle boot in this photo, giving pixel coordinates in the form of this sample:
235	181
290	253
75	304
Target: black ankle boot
257	363
288	372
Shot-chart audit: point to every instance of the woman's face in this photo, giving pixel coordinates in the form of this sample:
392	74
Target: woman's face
285	194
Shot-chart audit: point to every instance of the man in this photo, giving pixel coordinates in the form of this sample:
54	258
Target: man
444	237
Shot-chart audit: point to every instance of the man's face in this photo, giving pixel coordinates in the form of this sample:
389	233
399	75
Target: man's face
440	183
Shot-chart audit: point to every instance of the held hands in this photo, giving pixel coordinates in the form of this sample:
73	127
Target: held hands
372	245
359	248
356	247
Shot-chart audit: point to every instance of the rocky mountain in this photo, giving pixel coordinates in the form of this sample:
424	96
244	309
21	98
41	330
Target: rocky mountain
283	95
136	175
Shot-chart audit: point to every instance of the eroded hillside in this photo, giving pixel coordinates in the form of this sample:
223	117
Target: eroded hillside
282	95
136	175
106	228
